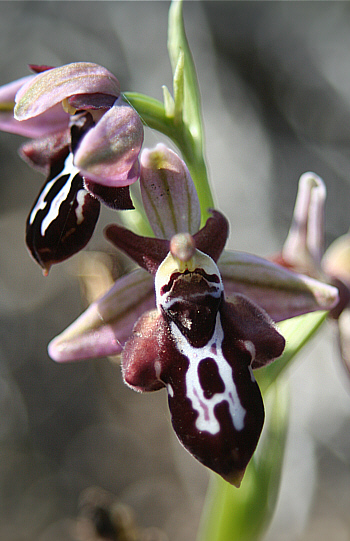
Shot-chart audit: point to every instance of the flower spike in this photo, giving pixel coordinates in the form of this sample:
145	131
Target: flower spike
203	336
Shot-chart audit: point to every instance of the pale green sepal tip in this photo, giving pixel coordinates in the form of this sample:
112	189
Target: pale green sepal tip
169	104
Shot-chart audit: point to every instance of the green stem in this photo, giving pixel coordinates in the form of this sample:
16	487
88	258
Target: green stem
153	115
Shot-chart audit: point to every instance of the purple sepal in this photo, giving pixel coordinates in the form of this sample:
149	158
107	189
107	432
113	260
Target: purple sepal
51	121
108	322
168	193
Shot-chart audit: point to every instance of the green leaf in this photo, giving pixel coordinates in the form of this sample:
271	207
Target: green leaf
297	332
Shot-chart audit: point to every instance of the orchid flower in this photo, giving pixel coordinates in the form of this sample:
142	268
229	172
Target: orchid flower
182	324
304	252
86	140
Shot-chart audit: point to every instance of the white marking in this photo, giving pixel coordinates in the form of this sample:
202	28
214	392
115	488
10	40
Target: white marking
250	347
167	303
207	420
252	377
157	369
170	265
72	171
170	390
80	197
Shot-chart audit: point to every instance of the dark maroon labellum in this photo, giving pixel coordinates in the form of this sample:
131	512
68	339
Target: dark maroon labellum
63	216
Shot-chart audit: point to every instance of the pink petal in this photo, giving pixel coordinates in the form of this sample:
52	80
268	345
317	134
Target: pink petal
53	86
54	120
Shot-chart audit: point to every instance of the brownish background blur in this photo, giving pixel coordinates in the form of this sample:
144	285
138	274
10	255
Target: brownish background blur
275	81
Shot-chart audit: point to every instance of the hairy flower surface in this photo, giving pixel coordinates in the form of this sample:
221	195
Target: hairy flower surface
86	140
182	324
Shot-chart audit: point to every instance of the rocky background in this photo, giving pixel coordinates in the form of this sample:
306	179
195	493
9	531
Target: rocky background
275	82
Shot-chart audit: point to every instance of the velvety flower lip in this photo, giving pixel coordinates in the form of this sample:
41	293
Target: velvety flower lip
200	347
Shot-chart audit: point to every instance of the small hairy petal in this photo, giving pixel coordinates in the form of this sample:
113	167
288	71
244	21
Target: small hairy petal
247	326
114	198
109	151
142	357
39	69
42	152
146	251
51	87
168	193
63	217
211	239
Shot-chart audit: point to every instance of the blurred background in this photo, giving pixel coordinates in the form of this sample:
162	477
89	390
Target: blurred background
275	83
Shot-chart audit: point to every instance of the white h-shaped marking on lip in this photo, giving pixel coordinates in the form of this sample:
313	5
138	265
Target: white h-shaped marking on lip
72	171
206	420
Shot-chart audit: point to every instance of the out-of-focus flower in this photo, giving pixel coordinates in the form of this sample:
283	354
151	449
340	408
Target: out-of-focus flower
86	139
198	343
303	251
103	518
